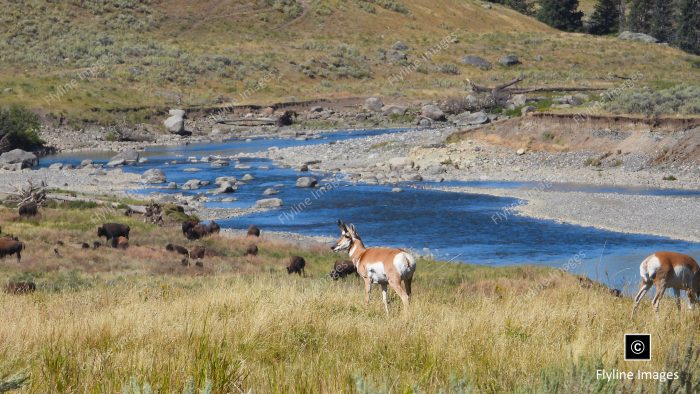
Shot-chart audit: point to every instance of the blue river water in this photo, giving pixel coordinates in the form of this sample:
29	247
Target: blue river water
450	226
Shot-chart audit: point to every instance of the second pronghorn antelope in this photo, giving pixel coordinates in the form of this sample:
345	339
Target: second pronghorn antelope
384	266
669	270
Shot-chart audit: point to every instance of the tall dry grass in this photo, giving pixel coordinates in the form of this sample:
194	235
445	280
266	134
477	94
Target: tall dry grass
245	325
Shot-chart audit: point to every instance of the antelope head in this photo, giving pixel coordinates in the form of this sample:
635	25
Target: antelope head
348	235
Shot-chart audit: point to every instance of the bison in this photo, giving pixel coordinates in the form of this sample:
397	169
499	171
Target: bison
10	246
122	243
28	209
20	287
342	268
251	250
96	244
197	252
253	231
177	249
194	230
112	231
296	265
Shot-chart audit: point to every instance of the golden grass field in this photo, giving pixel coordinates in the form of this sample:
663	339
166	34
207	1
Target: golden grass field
148	56
137	321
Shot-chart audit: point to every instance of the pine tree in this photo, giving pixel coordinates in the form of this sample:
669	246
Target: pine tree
663	19
641	15
606	17
688	37
560	14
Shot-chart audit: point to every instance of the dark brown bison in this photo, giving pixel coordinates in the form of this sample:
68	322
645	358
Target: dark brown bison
296	265
85	245
342	268
28	209
177	249
123	243
96	244
253	231
10	246
251	250
197	252
20	287
193	230
112	231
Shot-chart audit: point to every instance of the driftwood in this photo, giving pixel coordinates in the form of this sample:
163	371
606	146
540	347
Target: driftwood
500	93
29	194
249	121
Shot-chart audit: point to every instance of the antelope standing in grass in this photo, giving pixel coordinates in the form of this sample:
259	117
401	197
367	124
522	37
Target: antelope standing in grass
385	266
669	270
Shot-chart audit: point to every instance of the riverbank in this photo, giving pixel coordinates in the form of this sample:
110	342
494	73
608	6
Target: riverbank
424	155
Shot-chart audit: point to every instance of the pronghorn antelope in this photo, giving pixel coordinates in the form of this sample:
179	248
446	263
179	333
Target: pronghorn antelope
385	266
669	270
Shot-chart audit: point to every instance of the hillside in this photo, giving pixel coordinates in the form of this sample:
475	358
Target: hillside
95	58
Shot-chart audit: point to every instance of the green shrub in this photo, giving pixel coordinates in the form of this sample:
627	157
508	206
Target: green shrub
18	129
676	100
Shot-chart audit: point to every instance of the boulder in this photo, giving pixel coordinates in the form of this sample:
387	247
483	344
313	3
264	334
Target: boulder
177	112
171	185
192	184
247	177
270	191
153	176
476	61
269	203
18	159
225	187
399	46
509	60
518	100
127	157
641	37
400	162
218	163
306	181
176	122
393	110
223	179
469	119
432	112
374	104
527	109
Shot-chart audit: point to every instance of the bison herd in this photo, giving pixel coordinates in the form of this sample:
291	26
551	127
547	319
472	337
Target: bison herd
117	236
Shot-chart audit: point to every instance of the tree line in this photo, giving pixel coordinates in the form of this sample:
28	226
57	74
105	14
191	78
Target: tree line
676	22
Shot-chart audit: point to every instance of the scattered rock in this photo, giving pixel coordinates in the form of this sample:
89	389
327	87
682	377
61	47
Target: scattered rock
219	163
176	122
641	37
468	119
509	60
432	112
476	61
192	184
393	110
304	168
400	162
153	176
518	100
18	159
225	187
270	191
396	190
172	186
306	181
425	122
269	203
127	157
399	46
374	104
520	151
56	166
86	163
247	177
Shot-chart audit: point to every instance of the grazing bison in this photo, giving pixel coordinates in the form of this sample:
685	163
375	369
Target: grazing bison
112	231
253	231
85	245
342	268
177	249
96	244
122	243
251	250
194	230
197	252
28	209
296	265
10	246
20	287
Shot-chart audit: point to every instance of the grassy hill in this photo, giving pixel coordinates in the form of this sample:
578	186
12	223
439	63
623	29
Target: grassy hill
96	57
110	320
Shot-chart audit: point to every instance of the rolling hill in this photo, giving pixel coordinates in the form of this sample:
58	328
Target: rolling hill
90	59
